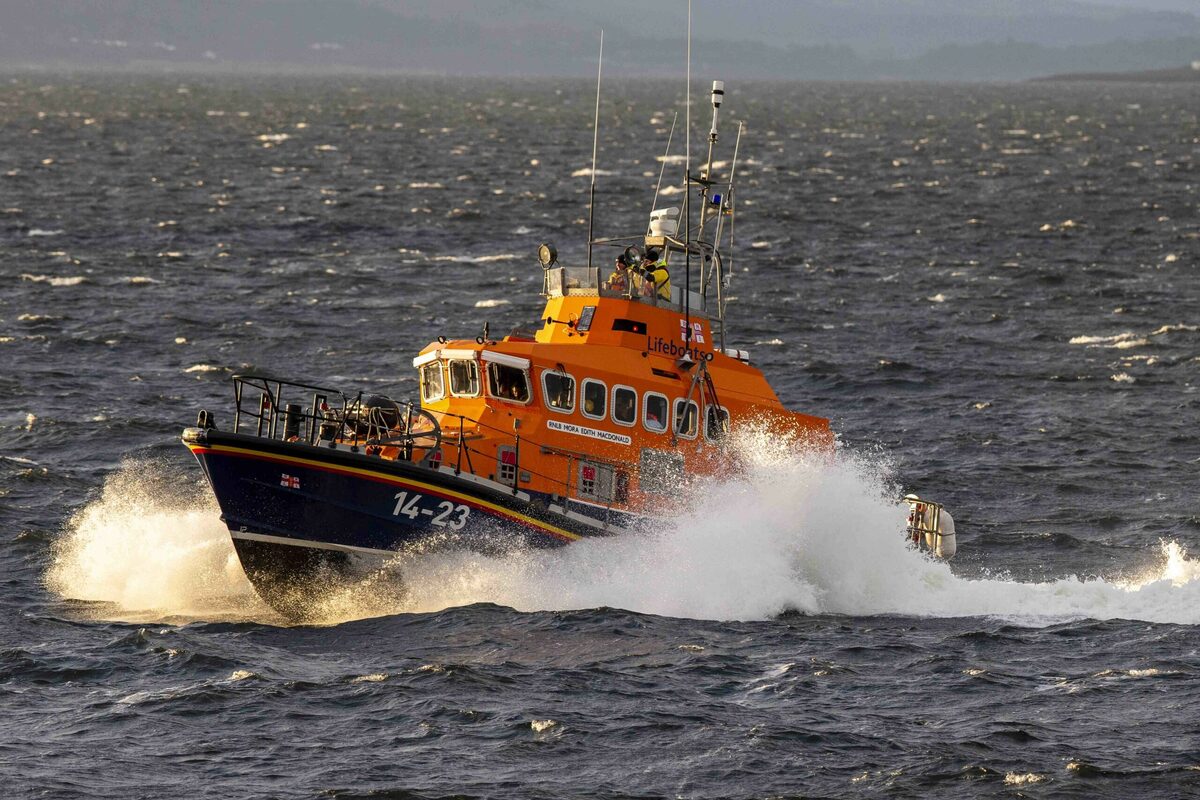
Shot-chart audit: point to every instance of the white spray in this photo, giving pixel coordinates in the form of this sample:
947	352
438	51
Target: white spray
150	548
811	533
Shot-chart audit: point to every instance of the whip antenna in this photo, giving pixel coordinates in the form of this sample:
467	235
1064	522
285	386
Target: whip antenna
663	167
595	142
687	105
687	192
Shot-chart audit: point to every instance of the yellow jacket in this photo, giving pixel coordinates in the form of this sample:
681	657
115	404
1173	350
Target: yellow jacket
662	281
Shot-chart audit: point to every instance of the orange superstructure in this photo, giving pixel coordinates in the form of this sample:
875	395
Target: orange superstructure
613	401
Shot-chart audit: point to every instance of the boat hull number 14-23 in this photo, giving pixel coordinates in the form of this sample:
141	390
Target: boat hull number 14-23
445	515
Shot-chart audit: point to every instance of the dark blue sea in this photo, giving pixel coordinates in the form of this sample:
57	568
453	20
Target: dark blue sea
992	290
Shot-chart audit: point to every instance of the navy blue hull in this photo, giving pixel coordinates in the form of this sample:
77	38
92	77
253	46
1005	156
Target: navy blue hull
339	500
295	511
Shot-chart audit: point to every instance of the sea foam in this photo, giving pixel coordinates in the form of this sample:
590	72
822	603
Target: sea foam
792	531
54	280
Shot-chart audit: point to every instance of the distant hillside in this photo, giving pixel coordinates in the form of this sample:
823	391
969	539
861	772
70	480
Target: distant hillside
1179	75
812	40
1021	61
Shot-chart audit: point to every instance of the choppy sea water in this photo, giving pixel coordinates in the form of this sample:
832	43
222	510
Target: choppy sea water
991	290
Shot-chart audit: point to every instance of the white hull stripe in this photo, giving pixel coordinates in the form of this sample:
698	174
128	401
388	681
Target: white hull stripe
287	540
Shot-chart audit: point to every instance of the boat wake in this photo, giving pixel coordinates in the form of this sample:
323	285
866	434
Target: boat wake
792	532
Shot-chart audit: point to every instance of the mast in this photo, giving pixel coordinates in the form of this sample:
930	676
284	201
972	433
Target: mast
595	143
726	202
718	95
687	194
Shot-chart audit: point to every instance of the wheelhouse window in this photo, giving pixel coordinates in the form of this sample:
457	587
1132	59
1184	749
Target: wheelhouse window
624	407
595	399
559	391
464	377
687	418
716	423
432	386
654	415
508	383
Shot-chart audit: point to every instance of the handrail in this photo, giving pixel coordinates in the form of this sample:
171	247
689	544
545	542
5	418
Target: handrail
517	440
927	522
354	424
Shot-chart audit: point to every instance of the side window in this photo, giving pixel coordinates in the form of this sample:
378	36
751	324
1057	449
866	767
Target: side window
654	416
687	418
716	423
432	388
624	410
595	399
559	391
464	378
508	383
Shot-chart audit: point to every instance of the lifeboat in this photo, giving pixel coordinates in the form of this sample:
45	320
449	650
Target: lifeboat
587	425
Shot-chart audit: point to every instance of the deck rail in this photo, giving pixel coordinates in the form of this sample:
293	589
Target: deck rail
297	412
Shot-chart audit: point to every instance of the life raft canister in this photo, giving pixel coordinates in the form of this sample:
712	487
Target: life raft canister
943	543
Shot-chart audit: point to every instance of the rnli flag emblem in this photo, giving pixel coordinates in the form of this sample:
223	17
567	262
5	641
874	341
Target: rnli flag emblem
697	332
289	481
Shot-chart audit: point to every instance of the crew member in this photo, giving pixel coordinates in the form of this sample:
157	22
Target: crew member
656	279
623	410
622	279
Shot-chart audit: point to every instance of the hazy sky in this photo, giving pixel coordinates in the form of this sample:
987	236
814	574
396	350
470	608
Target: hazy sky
802	39
1191	6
